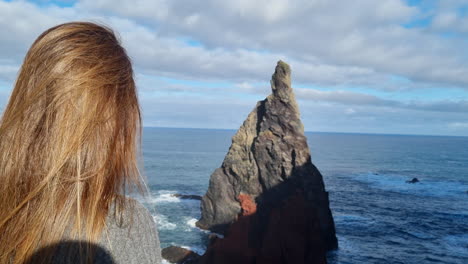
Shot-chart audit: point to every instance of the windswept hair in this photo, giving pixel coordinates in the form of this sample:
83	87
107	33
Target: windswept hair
69	139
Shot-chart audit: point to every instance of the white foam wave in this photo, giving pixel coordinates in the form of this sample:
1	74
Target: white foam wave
190	225
397	183
191	222
163	223
198	250
163	196
168	196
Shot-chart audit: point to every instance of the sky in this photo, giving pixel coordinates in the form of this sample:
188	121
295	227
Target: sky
361	66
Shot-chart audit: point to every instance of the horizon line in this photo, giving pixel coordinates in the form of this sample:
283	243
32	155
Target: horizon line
324	132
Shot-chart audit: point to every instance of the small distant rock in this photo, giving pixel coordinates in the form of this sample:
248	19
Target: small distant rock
187	196
414	180
179	255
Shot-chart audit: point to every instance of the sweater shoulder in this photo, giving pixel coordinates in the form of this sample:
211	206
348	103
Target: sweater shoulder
131	234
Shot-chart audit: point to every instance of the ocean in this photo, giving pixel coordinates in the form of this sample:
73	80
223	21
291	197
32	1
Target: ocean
379	217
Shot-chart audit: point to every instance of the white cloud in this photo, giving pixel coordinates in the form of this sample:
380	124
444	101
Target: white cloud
363	34
350	111
8	72
336	44
344	97
444	20
360	43
165	55
458	125
21	22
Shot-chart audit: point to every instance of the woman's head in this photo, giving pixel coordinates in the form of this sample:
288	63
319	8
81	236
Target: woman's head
68	138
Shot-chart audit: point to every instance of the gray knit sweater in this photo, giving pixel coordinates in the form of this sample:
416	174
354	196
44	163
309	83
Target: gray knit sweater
131	239
136	240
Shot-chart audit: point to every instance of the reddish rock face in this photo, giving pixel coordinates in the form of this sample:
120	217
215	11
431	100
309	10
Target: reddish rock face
249	207
292	235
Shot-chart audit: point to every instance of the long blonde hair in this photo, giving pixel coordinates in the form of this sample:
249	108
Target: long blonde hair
69	139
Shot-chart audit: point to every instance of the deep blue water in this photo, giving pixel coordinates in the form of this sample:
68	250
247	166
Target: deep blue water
379	218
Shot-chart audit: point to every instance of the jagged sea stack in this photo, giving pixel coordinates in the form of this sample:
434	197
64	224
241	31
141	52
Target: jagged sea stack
269	162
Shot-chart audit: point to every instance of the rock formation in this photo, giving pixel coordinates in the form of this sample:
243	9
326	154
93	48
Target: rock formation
267	183
291	235
179	255
414	180
186	196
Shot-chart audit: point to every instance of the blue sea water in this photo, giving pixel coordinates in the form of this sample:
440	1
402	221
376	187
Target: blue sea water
379	217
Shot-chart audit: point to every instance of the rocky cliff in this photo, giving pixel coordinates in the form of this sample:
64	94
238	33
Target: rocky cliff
269	162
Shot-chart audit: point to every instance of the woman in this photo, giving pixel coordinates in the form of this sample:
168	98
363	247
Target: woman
68	144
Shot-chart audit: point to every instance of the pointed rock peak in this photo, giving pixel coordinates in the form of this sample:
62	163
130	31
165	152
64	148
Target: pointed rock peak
267	164
281	82
283	67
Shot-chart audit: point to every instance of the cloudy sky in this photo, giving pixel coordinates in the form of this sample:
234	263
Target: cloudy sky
367	66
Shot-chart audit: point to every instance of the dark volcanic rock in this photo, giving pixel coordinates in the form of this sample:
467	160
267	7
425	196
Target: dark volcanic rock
180	255
269	161
292	236
187	196
414	180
